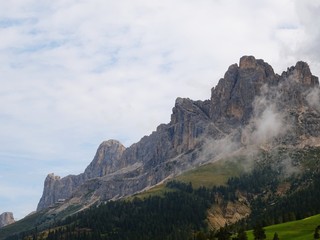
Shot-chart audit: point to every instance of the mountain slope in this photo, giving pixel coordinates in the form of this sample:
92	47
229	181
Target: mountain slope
251	108
184	212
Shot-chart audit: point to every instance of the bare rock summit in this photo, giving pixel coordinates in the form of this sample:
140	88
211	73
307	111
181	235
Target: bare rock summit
6	218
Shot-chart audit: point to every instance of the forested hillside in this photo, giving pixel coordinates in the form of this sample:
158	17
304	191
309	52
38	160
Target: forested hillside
274	195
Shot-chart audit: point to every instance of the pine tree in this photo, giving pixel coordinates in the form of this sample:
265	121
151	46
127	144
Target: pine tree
223	234
242	235
316	234
259	233
275	236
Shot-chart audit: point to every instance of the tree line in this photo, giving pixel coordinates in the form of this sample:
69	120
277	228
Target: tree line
181	212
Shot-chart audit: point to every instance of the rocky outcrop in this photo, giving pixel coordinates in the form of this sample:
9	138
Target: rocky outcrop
6	218
57	188
227	213
251	105
232	99
105	161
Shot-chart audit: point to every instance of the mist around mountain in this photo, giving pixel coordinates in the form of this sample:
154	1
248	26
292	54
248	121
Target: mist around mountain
250	108
263	124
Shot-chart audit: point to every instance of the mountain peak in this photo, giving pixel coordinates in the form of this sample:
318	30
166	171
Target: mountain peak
6	218
301	73
110	142
106	159
250	105
247	62
52	177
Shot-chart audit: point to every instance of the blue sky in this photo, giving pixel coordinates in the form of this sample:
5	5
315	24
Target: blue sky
75	73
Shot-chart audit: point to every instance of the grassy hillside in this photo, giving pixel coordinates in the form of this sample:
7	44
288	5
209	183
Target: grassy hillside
296	230
158	190
208	175
213	174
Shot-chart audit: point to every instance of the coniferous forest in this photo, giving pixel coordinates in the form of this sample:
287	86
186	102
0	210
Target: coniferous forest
181	212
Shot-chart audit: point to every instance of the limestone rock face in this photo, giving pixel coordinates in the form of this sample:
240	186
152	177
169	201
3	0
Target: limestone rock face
301	74
251	105
6	218
189	120
232	99
56	188
106	160
227	213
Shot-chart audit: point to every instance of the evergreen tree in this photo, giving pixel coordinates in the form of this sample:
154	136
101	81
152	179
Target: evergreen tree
200	236
242	235
275	236
223	234
316	234
259	233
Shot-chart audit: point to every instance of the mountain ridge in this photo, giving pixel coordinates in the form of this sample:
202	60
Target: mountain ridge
251	105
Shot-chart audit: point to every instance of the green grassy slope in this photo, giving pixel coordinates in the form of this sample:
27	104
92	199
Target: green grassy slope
158	190
213	174
296	230
208	175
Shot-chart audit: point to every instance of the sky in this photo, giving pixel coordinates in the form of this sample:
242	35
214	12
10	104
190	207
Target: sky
74	73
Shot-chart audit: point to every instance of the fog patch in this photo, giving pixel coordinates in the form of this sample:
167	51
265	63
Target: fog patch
313	98
271	124
288	168
214	150
266	124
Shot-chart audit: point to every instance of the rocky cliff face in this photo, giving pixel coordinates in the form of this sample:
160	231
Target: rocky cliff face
251	105
6	218
106	160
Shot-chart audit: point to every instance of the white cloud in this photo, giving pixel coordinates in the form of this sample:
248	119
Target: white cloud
303	42
74	73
